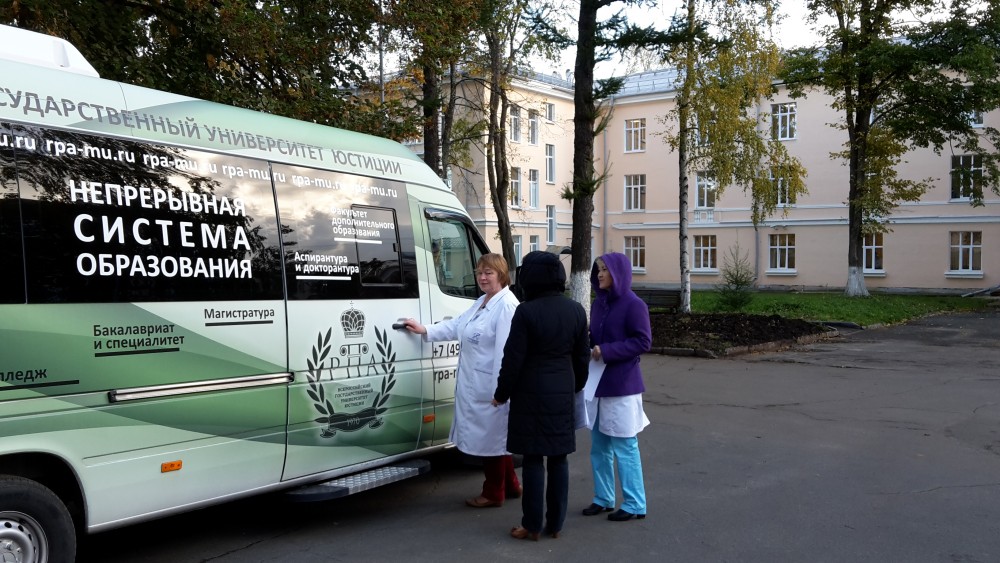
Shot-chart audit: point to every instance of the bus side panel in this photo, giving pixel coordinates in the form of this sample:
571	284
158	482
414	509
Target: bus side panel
220	443
116	448
153	270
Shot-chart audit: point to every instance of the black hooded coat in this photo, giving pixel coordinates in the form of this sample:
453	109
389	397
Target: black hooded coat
545	361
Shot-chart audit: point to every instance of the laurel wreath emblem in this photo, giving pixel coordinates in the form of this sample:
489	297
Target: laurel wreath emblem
368	417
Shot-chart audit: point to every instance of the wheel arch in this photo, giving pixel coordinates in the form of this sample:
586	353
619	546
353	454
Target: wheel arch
54	473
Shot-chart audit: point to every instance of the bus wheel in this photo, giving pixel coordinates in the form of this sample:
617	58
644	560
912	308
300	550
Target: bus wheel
35	526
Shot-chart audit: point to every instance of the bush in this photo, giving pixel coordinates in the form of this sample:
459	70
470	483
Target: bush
736	288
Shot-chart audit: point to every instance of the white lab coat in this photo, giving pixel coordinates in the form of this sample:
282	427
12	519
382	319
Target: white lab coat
479	428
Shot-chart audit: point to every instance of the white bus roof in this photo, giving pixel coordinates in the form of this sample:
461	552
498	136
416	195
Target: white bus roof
42	50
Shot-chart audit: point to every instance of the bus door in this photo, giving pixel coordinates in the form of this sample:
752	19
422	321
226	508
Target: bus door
350	269
455	248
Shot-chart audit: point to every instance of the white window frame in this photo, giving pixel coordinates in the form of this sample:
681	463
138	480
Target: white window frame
550	224
635	192
781	253
705	191
517	249
550	112
873	251
533	244
550	164
532	127
635	248
705	253
784	121
965	167
784	199
533	189
635	135
515	187
515	124
965	253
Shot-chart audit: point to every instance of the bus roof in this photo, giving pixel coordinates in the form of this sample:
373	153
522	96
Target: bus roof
38	49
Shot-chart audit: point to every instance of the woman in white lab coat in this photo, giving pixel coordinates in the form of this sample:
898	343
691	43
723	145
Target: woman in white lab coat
478	428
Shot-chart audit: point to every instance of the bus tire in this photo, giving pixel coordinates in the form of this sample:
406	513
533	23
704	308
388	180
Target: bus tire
35	525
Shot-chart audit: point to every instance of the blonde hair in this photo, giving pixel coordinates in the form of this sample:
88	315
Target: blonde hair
497	263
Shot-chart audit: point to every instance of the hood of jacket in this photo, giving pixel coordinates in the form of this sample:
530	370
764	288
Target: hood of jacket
621	274
541	272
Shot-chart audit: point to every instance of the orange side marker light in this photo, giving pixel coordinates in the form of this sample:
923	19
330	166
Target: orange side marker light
169	466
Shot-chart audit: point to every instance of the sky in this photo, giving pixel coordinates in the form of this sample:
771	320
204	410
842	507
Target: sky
791	32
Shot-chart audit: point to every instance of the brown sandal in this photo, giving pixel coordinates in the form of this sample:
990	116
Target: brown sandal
522	533
482	502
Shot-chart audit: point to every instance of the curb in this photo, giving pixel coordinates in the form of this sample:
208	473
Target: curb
739	350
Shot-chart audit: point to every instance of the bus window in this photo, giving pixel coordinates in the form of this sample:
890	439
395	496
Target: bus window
456	256
11	257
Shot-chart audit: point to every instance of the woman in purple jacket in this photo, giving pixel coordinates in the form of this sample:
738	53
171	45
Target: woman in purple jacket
619	335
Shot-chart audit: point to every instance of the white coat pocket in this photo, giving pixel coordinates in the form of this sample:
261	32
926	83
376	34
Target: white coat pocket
482	386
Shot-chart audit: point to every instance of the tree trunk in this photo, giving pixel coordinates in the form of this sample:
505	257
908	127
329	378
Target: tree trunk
855	286
432	133
496	149
584	117
683	181
447	122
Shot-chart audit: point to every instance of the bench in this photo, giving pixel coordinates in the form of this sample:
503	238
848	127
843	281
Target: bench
656	298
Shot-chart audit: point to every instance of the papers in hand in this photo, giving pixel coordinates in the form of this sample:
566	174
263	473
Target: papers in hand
586	403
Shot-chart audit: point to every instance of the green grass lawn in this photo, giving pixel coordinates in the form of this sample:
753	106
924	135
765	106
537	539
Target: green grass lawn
865	311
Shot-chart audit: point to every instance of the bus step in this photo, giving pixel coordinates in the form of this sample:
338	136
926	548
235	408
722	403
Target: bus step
358	482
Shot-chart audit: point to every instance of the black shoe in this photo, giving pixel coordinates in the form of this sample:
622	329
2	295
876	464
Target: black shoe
594	509
622	515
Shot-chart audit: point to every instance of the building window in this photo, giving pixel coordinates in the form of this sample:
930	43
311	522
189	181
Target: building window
533	189
635	192
533	127
550	112
635	135
635	249
784	198
966	176
533	243
550	164
705	185
781	249
701	133
966	251
550	224
704	253
517	250
976	118
515	124
783	121
873	253
515	186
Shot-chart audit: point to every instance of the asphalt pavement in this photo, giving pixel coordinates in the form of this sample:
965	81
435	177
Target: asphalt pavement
878	445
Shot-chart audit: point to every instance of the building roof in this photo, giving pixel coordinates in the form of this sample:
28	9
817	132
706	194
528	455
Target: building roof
650	82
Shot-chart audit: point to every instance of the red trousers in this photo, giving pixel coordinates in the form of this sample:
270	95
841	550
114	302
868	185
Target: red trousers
501	479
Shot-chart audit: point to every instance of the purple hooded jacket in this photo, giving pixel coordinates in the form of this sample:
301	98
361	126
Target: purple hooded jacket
619	324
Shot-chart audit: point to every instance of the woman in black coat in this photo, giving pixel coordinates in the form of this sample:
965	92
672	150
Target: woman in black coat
545	362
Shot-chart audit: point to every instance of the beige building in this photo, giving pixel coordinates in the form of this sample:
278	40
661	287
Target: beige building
540	151
940	243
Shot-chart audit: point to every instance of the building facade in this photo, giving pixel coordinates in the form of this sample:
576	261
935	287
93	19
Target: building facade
937	244
540	155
